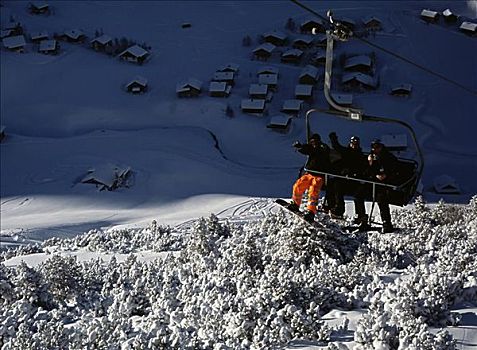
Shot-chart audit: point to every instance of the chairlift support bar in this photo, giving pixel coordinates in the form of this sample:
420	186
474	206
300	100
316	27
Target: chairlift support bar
342	33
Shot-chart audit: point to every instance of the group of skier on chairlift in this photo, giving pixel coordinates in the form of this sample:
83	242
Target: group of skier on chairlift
379	167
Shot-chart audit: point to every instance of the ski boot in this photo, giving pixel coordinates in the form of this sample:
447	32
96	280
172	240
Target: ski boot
293	207
309	216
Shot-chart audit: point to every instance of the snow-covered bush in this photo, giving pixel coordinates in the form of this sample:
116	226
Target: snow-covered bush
257	285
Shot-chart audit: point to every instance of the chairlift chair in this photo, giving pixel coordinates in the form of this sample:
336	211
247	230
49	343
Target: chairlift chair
406	181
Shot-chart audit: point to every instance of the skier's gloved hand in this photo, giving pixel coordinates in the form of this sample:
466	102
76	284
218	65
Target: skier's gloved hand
333	136
297	144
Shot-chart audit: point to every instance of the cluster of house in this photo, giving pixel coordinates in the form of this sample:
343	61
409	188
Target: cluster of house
14	39
449	17
294	54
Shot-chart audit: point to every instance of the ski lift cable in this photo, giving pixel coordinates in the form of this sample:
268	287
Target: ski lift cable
398	56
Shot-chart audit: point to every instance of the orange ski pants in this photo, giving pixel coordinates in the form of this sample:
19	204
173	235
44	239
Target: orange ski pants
313	184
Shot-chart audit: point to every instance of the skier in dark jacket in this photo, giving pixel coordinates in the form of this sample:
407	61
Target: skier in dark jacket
353	164
318	160
382	167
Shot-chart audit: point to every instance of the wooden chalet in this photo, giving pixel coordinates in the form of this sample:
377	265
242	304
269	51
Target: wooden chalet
280	123
39	7
372	23
468	28
138	85
309	75
303	92
318	59
6	33
267	70
189	88
101	42
135	54
292	56
49	47
227	77
446	184
229	67
107	177
312	26
430	16
360	63
264	51
302	43
348	22
321	40
37	37
269	79
73	36
292	106
253	106
13	29
359	80
449	16
401	90
258	91
219	89
14	43
275	37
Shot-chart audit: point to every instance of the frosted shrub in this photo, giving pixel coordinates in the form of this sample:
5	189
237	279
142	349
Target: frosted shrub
257	285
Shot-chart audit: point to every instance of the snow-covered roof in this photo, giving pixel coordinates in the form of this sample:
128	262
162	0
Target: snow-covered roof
13	25
136	51
303	90
138	80
303	39
47	45
191	83
342	99
357	61
105	174
39	35
280	120
446	184
371	18
229	67
267	70
74	33
5	33
469	26
14	42
269	79
103	39
406	87
218	86
311	21
268	47
362	78
258	89
292	105
223	76
310	71
447	13
429	13
275	34
292	53
39	4
250	103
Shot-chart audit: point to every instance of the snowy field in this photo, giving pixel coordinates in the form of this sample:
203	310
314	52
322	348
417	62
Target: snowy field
249	276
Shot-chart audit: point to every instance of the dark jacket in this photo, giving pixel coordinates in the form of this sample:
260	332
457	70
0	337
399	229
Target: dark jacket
318	158
352	163
385	163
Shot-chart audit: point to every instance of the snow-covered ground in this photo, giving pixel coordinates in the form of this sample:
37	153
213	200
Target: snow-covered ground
66	114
